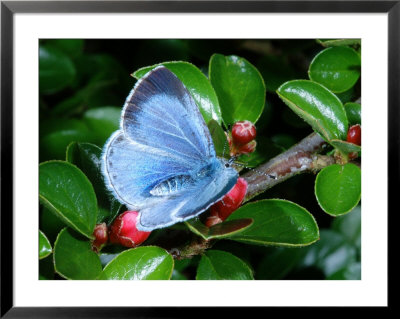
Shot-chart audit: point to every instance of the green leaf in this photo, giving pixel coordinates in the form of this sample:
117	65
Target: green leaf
330	254
65	190
222	230
102	122
239	86
318	106
339	42
353	111
197	84
220	140
44	246
338	188
344	146
142	263
56	70
349	226
337	68
87	157
56	134
276	222
73	257
221	265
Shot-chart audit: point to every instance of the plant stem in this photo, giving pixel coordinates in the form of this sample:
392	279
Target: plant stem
300	158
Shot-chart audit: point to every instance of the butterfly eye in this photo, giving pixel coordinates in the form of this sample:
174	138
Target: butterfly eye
227	165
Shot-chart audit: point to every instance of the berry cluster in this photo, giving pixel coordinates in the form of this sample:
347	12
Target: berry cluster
123	231
231	201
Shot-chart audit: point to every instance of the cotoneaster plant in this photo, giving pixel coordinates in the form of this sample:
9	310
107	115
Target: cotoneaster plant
271	119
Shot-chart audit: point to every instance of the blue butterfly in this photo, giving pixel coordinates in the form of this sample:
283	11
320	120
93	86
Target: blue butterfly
162	161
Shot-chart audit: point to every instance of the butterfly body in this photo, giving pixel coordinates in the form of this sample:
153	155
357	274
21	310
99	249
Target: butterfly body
162	161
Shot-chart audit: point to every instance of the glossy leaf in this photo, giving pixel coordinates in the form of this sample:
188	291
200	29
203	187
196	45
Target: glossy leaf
353	111
142	263
44	246
338	188
239	86
221	265
73	257
330	254
102	122
56	70
337	68
65	190
87	157
344	146
197	84
276	222
220	140
338	42
222	230
317	106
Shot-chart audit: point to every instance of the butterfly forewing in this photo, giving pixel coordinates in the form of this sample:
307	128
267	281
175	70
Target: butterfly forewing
161	113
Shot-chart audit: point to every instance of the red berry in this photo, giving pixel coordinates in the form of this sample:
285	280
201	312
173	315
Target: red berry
243	132
124	232
226	206
354	134
101	237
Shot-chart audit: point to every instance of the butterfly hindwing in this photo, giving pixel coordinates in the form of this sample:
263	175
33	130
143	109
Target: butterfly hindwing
195	199
131	169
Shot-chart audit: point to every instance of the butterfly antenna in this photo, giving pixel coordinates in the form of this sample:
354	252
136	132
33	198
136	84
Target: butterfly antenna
223	150
232	162
226	142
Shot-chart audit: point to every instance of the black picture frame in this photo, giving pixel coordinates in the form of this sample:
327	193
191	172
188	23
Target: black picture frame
9	8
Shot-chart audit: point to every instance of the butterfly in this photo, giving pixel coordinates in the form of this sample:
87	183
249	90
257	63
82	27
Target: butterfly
162	160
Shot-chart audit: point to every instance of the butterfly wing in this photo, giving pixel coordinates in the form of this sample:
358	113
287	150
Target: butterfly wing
163	135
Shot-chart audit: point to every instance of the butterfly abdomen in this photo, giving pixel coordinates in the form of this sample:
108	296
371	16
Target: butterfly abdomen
171	185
